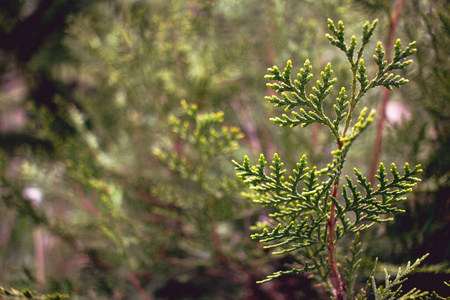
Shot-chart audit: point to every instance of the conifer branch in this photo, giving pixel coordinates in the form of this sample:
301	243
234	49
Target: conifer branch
388	292
308	218
27	294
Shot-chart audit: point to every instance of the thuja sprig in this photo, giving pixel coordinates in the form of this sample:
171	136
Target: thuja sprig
310	210
353	261
312	103
392	289
27	294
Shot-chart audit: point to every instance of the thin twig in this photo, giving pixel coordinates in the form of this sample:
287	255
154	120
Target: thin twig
137	285
337	281
381	120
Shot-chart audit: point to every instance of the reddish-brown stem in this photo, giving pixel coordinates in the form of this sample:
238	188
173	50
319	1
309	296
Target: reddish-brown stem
221	256
39	255
337	281
381	120
379	135
137	285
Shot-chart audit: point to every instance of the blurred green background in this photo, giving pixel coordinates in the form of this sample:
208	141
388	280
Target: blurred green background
119	120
